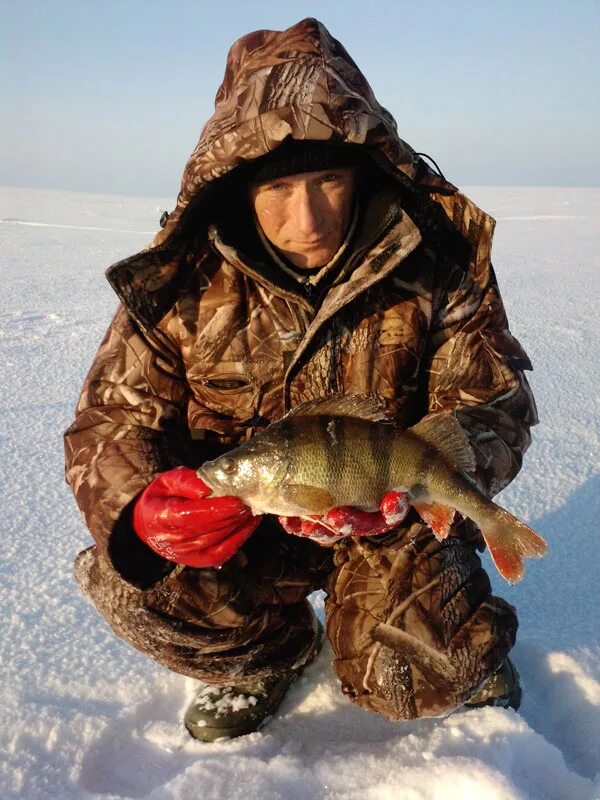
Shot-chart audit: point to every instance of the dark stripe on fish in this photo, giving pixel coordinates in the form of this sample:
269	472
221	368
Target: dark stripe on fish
380	456
332	430
426	457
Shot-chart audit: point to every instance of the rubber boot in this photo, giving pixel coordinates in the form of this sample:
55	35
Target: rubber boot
502	689
225	712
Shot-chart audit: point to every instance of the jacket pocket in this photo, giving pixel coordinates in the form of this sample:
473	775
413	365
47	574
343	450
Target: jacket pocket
224	398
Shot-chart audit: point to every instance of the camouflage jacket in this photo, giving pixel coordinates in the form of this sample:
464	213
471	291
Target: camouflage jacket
212	340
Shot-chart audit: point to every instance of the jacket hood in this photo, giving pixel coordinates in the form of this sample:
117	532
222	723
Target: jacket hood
301	84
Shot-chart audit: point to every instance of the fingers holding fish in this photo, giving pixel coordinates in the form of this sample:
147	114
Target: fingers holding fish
350	521
395	507
310	529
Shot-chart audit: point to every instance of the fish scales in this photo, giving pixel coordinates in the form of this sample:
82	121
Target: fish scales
349	458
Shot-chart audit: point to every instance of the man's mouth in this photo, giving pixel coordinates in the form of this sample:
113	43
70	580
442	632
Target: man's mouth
312	243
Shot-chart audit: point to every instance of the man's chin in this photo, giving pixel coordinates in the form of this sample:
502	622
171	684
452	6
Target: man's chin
312	260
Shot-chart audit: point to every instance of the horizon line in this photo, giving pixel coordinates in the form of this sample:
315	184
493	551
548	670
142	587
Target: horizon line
164	196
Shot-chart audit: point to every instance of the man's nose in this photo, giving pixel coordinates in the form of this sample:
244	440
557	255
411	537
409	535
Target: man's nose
306	212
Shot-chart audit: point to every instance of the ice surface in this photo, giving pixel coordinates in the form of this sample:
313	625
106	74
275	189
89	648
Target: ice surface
83	715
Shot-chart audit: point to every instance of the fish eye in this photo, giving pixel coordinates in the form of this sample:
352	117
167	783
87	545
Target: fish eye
228	466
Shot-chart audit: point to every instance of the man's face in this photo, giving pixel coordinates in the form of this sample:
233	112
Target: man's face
306	216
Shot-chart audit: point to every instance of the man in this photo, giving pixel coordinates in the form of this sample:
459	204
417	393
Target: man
311	252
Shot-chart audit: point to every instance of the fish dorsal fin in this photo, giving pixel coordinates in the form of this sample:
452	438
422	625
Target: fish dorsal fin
364	406
444	431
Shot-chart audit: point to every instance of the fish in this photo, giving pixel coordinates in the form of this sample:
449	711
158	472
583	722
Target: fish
342	450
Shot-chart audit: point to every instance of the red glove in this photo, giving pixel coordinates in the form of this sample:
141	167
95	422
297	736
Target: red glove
175	517
349	521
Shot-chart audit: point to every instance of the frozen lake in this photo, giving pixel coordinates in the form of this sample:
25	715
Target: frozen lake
83	715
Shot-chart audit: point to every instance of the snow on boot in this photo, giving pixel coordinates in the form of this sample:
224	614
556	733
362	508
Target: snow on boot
224	712
502	689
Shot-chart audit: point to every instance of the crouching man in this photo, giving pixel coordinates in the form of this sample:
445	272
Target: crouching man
311	252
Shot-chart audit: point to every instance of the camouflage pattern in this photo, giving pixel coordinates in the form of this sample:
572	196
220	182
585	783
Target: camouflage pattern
213	341
412	622
248	619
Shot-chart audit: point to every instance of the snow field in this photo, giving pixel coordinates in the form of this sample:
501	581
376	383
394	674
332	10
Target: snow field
85	716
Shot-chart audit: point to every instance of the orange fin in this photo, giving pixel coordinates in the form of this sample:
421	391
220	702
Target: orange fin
510	541
438	517
312	499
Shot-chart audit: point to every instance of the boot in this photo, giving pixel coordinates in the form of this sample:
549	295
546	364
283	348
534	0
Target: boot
224	712
501	689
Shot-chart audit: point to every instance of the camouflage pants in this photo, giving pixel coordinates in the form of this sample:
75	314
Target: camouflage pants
412	622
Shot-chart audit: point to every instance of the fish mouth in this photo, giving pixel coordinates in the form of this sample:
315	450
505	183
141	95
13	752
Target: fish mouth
201	473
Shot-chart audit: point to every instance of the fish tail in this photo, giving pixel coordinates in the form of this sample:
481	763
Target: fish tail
510	541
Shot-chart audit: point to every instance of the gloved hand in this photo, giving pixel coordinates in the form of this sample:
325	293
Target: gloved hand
349	521
175	517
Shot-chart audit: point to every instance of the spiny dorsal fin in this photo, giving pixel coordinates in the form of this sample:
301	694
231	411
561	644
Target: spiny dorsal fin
364	406
444	431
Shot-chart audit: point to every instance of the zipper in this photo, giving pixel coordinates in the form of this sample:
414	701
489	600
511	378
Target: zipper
300	321
393	216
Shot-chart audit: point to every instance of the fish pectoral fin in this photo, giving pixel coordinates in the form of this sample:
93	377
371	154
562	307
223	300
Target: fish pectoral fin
312	499
444	432
438	517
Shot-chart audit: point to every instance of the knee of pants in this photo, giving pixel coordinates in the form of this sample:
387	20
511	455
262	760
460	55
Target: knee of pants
415	632
121	604
176	627
378	678
402	673
387	683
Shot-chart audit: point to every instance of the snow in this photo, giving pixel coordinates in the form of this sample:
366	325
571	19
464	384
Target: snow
83	715
222	700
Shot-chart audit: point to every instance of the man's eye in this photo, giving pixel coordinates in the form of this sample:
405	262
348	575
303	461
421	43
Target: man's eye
330	178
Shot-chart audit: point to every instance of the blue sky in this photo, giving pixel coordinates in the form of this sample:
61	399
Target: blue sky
107	96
